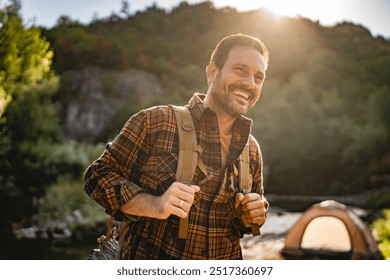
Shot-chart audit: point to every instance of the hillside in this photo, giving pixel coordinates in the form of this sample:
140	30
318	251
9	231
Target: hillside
323	121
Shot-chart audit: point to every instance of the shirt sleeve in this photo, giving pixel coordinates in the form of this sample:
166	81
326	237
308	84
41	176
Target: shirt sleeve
110	179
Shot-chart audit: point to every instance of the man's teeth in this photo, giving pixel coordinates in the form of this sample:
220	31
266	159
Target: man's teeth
242	94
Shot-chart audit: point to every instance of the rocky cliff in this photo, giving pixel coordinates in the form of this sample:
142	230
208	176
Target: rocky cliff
94	95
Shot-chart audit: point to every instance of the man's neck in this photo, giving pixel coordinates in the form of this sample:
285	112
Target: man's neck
225	120
225	125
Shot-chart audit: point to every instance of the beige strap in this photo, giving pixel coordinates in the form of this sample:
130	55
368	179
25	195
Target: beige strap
243	169
110	231
109	228
243	177
188	155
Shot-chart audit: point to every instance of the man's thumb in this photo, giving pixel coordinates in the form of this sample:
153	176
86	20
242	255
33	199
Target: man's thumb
195	188
238	199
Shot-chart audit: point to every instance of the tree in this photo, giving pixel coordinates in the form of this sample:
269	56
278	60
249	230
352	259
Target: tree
29	129
125	9
25	57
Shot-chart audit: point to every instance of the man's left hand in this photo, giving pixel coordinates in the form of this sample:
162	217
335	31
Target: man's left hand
253	208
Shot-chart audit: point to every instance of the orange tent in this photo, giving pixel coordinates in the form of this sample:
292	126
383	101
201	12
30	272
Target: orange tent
330	230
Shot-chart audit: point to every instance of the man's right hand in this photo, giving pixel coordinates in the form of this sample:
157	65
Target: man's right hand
177	200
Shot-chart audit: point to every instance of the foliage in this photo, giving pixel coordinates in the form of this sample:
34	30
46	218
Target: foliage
379	199
65	197
29	127
72	158
382	229
27	164
25	55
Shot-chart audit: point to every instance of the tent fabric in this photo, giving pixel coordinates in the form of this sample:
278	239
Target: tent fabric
328	239
323	229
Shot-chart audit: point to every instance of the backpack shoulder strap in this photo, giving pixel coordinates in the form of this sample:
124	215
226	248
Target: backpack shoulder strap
243	169
243	177
188	154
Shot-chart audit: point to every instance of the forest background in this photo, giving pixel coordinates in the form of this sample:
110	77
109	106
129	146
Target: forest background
323	120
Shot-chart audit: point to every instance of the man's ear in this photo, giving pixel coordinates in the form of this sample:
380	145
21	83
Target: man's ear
211	72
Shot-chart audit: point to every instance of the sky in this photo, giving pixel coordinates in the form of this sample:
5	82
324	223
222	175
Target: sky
372	14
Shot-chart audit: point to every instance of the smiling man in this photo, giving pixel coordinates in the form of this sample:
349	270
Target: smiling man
134	178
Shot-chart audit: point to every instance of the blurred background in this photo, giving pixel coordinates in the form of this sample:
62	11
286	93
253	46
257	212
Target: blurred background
68	85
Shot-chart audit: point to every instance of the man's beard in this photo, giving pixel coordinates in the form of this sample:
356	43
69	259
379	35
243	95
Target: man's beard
223	97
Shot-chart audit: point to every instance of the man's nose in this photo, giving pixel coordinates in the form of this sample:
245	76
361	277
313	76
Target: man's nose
249	82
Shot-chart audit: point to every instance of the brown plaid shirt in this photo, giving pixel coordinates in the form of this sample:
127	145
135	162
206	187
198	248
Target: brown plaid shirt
143	158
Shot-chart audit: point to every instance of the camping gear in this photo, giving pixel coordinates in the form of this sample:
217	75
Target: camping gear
330	230
108	245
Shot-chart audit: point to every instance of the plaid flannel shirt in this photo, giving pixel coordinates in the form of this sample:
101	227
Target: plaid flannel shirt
143	158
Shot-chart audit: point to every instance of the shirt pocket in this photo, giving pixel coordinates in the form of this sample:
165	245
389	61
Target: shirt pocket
166	168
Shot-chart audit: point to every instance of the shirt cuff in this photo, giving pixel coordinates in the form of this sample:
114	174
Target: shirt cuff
119	195
241	227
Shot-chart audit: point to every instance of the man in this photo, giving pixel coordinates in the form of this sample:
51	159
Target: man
135	176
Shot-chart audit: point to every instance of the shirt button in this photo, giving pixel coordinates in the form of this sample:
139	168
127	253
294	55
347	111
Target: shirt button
205	251
213	129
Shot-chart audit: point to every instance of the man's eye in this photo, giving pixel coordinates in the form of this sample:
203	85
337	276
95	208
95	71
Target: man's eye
240	70
259	79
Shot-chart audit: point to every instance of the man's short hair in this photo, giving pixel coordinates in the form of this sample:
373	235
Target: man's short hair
223	48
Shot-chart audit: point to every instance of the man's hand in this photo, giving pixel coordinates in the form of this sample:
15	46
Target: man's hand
176	200
253	208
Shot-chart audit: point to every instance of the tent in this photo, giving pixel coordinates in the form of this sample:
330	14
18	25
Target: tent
330	230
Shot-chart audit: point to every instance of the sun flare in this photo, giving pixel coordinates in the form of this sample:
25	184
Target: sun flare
327	11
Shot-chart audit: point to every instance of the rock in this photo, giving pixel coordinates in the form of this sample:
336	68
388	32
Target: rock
93	95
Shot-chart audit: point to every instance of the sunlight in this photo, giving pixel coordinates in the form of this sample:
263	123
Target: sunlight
326	11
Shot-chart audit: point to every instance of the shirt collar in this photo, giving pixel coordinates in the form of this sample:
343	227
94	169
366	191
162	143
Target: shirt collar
197	107
241	127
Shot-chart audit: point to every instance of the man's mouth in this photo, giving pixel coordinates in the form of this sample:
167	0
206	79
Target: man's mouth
241	93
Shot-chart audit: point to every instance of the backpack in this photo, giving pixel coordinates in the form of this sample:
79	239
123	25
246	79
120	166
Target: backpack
188	160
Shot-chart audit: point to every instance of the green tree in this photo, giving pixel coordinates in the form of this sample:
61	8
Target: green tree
29	130
25	57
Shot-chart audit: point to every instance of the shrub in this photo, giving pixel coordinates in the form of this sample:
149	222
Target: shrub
382	229
65	197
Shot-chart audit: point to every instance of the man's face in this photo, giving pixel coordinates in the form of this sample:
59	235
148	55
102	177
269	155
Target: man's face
237	86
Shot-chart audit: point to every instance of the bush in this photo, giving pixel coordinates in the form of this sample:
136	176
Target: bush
65	197
379	199
382	229
67	194
72	158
